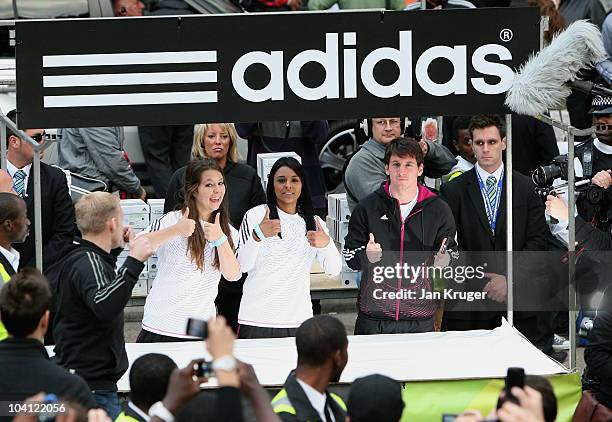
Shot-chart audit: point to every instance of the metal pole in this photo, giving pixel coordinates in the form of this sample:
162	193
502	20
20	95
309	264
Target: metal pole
423	4
37	212
571	248
440	123
509	245
3	147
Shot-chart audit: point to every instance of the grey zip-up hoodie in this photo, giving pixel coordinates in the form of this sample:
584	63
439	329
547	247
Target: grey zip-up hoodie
97	152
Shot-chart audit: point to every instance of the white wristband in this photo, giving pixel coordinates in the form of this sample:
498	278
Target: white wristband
225	363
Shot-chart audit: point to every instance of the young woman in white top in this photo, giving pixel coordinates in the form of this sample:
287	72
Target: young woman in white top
277	246
189	269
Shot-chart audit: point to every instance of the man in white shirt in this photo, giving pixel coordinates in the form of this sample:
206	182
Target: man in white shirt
477	200
322	348
14	228
58	223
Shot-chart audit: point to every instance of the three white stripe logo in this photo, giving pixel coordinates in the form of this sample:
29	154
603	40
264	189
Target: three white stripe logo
129	79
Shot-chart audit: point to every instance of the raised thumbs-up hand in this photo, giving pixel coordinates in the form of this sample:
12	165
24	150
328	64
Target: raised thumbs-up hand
269	227
318	238
373	250
213	231
140	247
185	226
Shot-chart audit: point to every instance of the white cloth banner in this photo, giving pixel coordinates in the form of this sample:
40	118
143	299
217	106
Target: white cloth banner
404	357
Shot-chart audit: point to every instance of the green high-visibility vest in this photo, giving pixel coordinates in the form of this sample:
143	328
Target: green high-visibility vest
282	404
5	278
125	418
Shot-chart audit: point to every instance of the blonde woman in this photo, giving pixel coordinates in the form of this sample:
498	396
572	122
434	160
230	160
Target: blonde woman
244	191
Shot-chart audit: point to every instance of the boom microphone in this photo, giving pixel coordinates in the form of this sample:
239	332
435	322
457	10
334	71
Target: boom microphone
541	83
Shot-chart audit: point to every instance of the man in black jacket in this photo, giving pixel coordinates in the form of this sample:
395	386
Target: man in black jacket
598	354
477	200
407	223
58	226
90	297
322	348
26	368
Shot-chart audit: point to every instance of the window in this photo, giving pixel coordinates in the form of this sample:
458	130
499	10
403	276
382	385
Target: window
36	9
6	9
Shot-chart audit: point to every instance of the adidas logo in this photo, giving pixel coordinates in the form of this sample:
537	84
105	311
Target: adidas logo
384	217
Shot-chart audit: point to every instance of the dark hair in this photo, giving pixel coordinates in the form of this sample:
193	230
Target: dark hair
197	242
23	302
318	338
556	21
404	147
482	122
304	203
549	400
544	387
460	122
201	408
12	115
149	377
9	206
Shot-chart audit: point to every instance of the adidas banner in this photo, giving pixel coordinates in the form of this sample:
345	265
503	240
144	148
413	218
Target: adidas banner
259	67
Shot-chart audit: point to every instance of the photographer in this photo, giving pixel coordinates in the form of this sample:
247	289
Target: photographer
184	402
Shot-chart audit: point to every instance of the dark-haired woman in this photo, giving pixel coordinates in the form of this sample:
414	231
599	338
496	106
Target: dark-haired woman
189	269
278	243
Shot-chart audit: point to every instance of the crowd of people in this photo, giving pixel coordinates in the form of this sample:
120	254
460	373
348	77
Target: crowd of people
239	256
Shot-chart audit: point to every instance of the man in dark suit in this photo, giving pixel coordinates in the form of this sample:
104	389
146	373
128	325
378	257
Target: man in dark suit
58	223
477	200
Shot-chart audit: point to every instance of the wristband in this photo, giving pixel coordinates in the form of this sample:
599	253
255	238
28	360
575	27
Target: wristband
220	241
259	233
225	363
158	409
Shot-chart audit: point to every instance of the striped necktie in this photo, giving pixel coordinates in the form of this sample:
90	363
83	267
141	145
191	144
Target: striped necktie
19	182
491	193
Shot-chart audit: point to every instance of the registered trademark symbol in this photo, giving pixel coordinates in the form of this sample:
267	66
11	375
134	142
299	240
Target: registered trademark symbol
506	35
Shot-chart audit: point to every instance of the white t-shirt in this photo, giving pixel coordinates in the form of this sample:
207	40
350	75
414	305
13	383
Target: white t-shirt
276	292
180	290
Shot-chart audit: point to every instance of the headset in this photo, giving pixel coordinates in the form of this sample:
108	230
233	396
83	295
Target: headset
366	126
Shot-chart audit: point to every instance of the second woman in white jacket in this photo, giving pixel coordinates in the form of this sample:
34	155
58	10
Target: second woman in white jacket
278	243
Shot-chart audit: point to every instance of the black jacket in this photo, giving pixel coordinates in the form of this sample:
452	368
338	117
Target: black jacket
57	212
533	144
293	395
598	355
474	233
244	190
27	370
414	242
89	301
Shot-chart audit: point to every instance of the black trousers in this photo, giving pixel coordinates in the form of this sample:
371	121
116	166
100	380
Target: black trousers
228	300
365	325
165	149
250	331
148	337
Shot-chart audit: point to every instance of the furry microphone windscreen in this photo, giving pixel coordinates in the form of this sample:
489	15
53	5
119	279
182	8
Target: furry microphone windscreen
539	85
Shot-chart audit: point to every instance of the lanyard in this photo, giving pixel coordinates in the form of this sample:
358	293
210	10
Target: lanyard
491	213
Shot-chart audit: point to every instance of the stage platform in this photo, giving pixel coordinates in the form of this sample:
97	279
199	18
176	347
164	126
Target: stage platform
469	366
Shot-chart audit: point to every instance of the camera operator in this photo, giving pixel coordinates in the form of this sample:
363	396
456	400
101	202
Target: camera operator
593	205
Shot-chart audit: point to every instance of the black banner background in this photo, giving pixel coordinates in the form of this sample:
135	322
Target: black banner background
235	35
